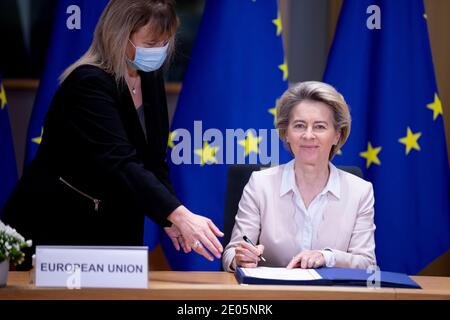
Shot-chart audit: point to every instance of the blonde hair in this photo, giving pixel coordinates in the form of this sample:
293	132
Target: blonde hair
315	91
118	22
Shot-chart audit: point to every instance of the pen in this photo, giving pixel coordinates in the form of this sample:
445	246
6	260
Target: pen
250	241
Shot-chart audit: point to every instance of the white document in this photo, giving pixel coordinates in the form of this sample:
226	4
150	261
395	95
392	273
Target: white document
282	273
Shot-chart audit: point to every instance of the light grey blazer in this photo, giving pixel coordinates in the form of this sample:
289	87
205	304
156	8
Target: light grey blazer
266	216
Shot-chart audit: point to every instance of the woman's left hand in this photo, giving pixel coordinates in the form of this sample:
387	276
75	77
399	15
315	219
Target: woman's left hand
307	259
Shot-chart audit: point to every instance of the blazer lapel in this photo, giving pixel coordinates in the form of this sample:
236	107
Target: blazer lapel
148	99
131	119
329	226
155	108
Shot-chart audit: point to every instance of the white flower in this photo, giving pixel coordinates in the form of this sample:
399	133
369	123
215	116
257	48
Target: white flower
11	243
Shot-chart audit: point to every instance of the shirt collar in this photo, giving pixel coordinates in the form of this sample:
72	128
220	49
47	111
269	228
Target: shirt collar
334	184
288	180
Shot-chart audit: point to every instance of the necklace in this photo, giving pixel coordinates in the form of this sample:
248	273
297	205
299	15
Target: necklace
133	87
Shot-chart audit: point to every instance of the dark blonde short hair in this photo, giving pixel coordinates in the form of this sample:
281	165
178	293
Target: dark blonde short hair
315	91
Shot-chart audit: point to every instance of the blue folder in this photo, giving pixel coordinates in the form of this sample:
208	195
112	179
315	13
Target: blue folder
338	277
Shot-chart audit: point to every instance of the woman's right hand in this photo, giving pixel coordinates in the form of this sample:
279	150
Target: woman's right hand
199	232
248	256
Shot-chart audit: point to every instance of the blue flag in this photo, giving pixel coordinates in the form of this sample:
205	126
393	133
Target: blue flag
73	27
381	62
8	169
236	74
73	30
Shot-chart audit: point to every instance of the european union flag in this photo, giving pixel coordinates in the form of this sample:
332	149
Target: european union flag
381	62
236	74
8	169
73	28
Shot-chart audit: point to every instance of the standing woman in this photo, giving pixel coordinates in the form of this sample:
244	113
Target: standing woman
101	165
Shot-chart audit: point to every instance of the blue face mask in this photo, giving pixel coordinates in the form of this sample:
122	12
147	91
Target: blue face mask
149	59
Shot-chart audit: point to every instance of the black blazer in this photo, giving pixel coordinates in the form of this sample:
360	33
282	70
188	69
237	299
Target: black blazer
95	176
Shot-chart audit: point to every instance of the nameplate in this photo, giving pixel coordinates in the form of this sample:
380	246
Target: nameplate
75	267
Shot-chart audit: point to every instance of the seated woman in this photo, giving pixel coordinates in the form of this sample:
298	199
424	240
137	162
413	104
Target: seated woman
306	213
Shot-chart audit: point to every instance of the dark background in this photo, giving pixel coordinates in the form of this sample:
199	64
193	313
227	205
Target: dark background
26	28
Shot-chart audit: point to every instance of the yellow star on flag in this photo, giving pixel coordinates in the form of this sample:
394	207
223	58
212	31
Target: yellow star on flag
283	67
172	135
410	141
436	106
273	112
38	140
3	100
207	154
278	23
250	143
371	155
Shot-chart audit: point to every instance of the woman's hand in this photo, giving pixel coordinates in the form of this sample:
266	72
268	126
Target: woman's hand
198	233
248	256
177	239
307	259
